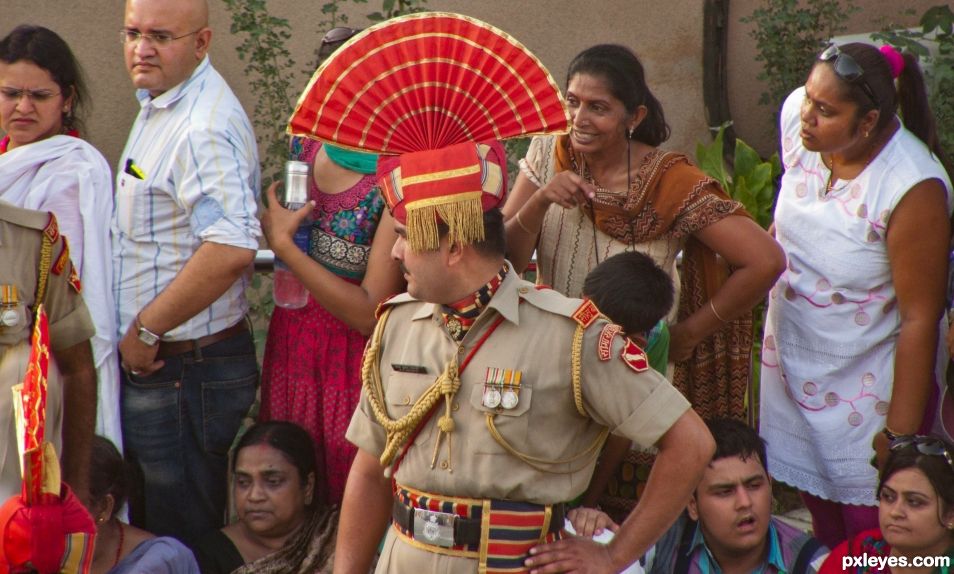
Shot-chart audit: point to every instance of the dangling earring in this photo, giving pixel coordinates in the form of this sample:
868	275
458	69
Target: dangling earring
631	130
867	133
67	119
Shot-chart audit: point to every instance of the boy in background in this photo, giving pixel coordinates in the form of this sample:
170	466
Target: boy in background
636	294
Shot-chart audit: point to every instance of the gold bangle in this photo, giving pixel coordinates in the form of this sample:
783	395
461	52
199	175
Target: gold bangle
522	226
716	313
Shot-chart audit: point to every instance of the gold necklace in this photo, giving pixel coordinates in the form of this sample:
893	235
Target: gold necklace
831	168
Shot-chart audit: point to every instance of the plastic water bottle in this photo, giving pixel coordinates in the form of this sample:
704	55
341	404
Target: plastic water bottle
287	290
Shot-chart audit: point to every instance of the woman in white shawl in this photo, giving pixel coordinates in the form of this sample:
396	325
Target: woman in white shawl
44	165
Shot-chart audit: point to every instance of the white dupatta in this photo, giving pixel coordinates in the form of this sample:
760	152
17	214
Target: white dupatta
69	177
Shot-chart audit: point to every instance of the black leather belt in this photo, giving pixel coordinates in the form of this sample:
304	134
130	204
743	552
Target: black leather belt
467	530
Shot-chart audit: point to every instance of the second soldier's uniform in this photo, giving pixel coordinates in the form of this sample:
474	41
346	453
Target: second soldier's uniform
34	263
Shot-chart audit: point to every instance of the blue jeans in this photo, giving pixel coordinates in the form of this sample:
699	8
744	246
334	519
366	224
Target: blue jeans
178	425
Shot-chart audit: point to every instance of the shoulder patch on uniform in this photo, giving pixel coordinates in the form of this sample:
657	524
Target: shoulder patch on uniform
391	301
604	347
553	302
63	259
634	357
541	287
75	280
52	229
586	313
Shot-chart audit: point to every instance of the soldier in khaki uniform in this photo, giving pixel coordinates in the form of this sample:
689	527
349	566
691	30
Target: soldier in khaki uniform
34	260
485	400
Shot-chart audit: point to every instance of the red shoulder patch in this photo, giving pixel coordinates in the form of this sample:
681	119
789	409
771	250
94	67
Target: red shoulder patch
604	348
586	313
380	308
52	229
75	280
541	287
63	259
634	357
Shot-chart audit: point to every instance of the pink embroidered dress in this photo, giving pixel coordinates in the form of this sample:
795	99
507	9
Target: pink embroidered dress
311	372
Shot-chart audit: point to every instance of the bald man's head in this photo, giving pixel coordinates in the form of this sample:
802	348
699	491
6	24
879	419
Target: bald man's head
175	38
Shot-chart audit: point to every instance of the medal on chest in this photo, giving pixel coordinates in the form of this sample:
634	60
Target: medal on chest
501	388
9	299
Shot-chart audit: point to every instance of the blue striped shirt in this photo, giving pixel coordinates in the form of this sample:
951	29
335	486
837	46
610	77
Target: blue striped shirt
189	174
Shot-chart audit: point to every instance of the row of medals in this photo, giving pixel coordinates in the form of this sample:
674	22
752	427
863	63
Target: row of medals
497	393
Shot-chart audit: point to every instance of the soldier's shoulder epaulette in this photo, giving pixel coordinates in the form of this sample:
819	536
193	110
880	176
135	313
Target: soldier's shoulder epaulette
584	312
391	302
31	219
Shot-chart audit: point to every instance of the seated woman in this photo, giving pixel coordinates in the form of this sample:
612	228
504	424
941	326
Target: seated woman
915	513
280	528
121	548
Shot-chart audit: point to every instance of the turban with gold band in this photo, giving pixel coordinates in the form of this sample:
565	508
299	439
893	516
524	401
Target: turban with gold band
45	528
437	92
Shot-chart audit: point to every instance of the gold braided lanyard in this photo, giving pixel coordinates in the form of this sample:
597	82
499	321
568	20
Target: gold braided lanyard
590	452
46	257
447	384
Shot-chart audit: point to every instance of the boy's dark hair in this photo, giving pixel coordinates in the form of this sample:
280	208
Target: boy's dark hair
631	290
736	439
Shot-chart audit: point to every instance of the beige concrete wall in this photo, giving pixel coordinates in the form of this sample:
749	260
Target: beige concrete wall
669	41
753	122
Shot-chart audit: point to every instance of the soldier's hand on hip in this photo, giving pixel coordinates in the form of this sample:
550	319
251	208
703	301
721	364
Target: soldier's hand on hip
574	555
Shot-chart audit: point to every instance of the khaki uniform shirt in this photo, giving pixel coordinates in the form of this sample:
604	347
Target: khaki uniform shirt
535	337
21	235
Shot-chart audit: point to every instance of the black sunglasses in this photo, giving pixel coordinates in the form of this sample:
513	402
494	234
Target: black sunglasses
338	35
924	445
848	69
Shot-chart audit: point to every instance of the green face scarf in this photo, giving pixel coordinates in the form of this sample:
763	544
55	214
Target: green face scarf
360	162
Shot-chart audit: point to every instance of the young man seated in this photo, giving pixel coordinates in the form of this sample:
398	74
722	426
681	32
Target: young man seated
728	527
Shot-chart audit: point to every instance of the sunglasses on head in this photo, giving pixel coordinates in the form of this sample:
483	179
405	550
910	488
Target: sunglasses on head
847	69
338	35
924	445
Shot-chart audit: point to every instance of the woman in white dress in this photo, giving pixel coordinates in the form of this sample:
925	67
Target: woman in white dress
851	349
44	165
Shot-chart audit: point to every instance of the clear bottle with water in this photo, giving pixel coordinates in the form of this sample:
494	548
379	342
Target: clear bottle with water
287	291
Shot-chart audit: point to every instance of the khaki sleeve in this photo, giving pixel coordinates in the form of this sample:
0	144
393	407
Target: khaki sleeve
364	431
640	406
70	322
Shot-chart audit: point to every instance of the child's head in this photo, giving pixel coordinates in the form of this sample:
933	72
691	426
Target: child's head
631	290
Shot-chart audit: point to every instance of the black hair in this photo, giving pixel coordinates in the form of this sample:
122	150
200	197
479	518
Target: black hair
910	94
288	438
624	75
935	467
631	290
736	439
494	243
49	51
108	473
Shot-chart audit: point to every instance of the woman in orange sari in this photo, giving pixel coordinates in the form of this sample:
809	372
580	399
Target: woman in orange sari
607	188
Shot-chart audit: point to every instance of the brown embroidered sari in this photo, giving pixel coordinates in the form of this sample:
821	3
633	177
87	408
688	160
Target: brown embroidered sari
670	200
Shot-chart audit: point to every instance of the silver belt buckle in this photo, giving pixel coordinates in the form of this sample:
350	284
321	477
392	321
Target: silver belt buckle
433	527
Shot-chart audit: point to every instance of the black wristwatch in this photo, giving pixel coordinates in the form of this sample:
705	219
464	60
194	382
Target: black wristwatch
891	435
145	335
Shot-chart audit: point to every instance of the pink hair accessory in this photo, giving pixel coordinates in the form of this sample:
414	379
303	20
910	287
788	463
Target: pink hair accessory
895	60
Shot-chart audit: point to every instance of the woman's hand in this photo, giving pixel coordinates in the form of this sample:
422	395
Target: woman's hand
566	189
880	444
279	224
681	342
590	522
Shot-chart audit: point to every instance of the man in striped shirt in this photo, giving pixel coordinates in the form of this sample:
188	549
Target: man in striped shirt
184	236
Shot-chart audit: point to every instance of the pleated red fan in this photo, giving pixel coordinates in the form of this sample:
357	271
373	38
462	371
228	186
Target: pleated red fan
427	81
